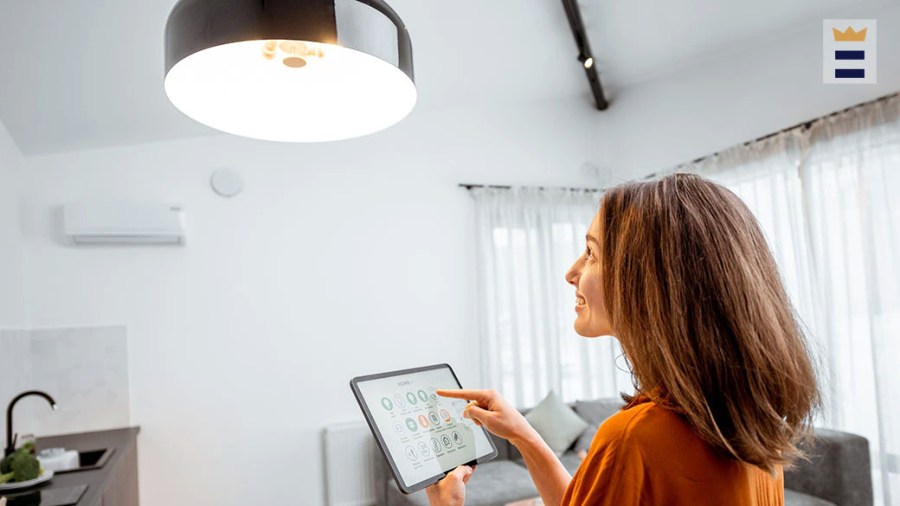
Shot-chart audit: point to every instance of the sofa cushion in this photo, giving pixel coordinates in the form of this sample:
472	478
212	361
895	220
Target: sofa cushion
557	424
837	469
570	461
586	438
792	498
597	411
493	484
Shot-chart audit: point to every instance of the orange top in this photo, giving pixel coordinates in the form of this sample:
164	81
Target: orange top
649	455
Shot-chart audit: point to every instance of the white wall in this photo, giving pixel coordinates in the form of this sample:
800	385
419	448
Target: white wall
337	260
84	369
12	297
13	315
734	98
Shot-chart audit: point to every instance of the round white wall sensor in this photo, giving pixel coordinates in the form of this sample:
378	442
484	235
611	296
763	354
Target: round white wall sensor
226	182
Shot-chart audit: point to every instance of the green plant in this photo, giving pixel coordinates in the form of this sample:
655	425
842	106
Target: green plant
6	463
25	467
19	466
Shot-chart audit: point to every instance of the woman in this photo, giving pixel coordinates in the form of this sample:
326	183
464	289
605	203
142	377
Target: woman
679	272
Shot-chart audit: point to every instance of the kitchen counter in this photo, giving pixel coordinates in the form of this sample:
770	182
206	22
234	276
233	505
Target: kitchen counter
115	484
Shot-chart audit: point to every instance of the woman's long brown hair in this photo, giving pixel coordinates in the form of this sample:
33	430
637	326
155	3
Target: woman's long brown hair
697	303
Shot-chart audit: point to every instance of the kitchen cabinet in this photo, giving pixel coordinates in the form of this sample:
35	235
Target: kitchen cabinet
113	484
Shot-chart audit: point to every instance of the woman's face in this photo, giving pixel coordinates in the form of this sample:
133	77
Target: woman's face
586	277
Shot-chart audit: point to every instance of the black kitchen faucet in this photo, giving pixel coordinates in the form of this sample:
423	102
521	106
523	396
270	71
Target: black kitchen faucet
10	444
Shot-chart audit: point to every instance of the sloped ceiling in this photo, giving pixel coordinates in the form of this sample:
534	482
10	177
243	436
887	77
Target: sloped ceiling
80	74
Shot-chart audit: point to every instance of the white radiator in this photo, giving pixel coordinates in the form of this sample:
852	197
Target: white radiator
349	475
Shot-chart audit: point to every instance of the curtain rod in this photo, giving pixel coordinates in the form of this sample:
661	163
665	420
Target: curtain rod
804	125
469	186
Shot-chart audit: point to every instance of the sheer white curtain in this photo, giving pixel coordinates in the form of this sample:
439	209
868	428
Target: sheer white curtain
527	238
827	201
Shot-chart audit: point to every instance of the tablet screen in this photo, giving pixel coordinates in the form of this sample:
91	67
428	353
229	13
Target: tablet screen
423	434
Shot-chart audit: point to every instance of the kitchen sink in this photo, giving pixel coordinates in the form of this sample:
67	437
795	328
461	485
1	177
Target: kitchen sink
90	459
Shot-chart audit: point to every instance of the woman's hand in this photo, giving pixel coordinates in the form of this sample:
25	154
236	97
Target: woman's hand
490	410
451	491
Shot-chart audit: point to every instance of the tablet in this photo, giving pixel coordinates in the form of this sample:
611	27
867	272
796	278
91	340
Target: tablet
423	436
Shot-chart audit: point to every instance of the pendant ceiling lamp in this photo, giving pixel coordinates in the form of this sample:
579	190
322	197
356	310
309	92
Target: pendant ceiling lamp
290	70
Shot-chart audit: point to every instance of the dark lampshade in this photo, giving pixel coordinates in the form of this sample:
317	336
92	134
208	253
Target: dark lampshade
290	70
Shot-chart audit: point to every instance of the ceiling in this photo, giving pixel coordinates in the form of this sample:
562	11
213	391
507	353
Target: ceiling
81	74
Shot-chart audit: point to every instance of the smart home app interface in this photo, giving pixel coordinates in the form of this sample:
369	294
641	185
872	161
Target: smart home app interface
425	433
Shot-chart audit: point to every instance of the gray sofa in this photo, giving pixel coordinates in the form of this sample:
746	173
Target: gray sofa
837	473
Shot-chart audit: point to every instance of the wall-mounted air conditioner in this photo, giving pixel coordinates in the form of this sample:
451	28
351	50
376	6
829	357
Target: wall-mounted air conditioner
123	223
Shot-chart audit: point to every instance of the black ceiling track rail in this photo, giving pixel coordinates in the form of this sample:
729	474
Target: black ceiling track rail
584	52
